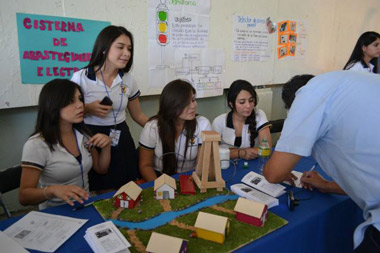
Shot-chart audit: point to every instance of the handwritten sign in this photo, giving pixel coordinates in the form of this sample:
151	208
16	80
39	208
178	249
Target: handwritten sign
54	47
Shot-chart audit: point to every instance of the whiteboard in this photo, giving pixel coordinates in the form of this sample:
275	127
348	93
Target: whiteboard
333	27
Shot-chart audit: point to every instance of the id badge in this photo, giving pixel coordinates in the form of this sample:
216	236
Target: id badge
115	136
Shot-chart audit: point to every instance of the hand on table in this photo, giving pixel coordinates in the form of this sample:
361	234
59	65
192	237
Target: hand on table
248	153
68	193
291	178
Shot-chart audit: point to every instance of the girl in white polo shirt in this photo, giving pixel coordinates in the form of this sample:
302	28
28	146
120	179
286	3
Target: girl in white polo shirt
59	154
106	78
244	127
169	141
365	56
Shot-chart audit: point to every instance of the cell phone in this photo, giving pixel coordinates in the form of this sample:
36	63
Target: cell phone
106	101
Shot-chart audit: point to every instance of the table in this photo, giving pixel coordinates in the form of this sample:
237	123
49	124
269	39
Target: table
324	223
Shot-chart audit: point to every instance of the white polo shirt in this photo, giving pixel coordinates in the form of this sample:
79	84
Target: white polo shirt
223	124
361	66
150	139
58	167
122	90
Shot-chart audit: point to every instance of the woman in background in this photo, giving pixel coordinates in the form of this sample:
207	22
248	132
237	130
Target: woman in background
244	127
59	154
169	141
365	56
109	89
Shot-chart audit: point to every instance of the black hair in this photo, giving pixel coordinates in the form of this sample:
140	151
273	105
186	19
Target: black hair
290	88
234	90
103	43
357	54
54	96
175	96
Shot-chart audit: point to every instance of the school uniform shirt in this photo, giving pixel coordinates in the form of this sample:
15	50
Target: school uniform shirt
223	124
361	66
335	118
150	139
122	90
57	167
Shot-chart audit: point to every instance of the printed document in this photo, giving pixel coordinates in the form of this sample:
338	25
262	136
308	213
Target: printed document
106	238
43	231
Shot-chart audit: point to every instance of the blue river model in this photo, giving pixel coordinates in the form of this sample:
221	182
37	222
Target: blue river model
166	217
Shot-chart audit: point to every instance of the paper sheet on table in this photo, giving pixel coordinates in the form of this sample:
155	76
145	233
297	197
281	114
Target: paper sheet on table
297	183
9	245
43	231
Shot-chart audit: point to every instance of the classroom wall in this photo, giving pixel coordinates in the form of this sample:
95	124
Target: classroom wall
18	123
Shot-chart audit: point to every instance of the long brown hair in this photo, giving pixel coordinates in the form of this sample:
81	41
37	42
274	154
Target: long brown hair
235	88
174	98
103	43
54	96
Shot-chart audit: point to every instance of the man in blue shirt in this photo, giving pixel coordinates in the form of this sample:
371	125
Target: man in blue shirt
335	118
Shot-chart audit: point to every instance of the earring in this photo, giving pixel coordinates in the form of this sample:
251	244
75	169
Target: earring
104	52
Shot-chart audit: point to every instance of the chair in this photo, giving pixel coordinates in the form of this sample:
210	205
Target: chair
9	180
276	125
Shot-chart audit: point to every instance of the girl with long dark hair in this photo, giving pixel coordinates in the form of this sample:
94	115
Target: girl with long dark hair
365	56
109	89
169	141
59	153
244	127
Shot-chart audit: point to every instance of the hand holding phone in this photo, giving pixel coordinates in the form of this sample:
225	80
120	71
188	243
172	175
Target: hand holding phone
106	101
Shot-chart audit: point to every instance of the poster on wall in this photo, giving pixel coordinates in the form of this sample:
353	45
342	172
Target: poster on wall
54	47
251	40
292	39
178	33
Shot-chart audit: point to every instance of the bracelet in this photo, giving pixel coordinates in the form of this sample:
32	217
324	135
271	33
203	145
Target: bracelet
44	193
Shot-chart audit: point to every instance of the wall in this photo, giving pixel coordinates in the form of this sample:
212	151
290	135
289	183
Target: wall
333	27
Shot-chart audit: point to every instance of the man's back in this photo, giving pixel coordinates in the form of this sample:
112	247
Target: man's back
336	118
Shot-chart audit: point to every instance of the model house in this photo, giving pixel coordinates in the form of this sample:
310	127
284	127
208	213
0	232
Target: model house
159	243
186	185
128	195
212	227
165	187
251	212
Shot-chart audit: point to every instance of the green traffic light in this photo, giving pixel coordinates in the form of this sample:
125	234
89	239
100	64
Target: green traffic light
162	15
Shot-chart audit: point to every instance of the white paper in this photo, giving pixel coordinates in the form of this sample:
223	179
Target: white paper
251	40
297	183
259	182
9	245
185	53
42	231
253	194
105	237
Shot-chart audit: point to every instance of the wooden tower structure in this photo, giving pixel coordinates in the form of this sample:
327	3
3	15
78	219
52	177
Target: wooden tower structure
208	173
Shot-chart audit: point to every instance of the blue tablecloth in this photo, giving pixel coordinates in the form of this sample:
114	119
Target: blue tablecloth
321	222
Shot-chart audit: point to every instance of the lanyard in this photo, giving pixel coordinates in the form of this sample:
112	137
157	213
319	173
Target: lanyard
121	98
79	158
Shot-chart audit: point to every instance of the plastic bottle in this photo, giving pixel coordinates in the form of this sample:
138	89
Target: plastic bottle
263	155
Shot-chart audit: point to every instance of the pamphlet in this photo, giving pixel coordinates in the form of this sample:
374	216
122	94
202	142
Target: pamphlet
42	231
106	238
253	194
260	183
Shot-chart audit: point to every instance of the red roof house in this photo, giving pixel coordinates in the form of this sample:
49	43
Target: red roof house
128	195
251	212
